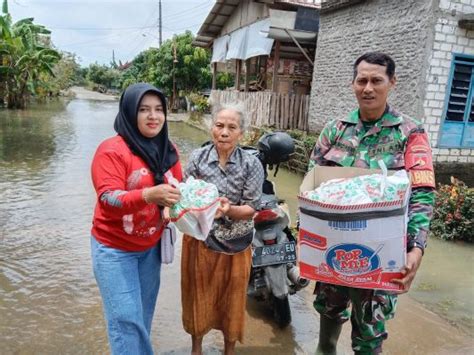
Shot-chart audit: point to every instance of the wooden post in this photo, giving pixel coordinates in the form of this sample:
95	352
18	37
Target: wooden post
265	62
238	66
247	74
276	63
293	117
214	76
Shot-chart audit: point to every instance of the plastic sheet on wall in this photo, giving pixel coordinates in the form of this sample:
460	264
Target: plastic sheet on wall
244	43
257	42
237	44
219	50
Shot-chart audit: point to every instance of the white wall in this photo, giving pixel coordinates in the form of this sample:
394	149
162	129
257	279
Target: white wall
448	39
246	13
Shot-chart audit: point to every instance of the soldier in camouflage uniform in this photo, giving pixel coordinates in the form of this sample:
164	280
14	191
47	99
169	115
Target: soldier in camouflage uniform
372	132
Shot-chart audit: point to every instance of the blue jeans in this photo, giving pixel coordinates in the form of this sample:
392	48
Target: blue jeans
129	284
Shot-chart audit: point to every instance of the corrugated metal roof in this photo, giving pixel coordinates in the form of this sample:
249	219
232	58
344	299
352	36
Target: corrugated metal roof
222	11
215	21
316	4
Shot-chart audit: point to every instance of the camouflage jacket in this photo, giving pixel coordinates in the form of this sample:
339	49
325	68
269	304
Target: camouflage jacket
401	143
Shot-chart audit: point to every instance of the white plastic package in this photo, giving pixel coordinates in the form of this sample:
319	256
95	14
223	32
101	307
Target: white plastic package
362	189
194	213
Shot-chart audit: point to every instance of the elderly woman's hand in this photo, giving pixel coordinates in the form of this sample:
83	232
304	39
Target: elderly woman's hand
223	208
163	195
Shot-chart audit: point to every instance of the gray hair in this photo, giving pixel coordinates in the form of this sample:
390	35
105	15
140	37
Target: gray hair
234	106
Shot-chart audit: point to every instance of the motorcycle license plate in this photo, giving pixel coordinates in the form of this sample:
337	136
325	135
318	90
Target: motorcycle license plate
274	254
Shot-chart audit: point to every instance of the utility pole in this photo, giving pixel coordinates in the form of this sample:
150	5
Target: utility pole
175	60
160	23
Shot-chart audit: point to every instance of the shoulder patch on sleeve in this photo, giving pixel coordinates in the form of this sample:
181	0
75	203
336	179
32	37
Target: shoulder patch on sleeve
419	160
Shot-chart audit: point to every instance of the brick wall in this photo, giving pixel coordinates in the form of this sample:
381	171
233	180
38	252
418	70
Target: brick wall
402	29
448	39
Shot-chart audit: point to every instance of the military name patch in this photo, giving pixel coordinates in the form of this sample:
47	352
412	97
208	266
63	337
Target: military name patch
422	178
378	149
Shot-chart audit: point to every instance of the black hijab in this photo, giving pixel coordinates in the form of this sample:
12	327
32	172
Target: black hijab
158	152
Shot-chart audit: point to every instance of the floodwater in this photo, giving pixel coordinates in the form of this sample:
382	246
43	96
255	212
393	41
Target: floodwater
49	302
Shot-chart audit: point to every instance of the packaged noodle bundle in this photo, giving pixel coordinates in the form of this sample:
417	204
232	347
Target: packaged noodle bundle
194	213
361	189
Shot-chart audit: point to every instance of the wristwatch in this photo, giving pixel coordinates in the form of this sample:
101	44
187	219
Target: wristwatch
415	244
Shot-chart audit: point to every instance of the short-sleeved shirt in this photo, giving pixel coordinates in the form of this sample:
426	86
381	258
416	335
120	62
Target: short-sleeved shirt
240	181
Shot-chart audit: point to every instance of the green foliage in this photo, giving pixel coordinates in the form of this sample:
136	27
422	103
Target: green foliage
454	212
103	75
191	66
224	80
253	134
200	103
142	69
27	59
67	73
308	140
156	66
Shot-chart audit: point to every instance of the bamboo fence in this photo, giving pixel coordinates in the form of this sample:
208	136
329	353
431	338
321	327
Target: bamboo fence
264	108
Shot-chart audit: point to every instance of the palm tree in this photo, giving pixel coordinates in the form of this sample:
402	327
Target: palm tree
25	55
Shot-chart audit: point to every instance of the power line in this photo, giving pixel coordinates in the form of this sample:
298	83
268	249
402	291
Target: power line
100	28
138	45
111	35
150	18
186	16
95	40
183	28
190	10
175	16
104	28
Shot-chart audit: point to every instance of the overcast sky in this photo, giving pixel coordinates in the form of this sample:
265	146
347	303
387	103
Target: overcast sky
93	28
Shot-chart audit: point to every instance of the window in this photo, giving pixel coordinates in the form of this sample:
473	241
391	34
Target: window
457	130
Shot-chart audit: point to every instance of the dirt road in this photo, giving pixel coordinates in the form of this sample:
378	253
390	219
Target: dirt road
84	94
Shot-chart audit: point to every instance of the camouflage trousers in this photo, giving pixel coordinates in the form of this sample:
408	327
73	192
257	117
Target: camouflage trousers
370	310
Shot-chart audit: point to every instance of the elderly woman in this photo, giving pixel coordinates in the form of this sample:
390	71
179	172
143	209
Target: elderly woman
215	272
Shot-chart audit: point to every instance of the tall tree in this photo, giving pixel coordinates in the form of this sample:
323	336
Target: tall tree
190	66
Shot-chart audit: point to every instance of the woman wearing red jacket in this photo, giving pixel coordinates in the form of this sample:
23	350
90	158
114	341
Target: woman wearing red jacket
134	174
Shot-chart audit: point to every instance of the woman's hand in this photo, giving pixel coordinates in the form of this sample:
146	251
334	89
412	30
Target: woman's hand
166	214
163	195
223	208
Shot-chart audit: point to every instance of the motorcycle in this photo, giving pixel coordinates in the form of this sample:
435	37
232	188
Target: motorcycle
274	274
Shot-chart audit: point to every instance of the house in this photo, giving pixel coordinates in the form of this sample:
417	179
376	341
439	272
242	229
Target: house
268	46
432	43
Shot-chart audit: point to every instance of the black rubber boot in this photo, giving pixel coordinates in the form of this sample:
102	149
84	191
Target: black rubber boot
329	331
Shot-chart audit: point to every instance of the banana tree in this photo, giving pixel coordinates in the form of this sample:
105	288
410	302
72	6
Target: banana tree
5	46
25	57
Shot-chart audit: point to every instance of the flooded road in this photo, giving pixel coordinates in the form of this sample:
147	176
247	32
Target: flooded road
49	302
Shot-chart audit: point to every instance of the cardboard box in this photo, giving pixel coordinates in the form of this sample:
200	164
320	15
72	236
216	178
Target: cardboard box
362	246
